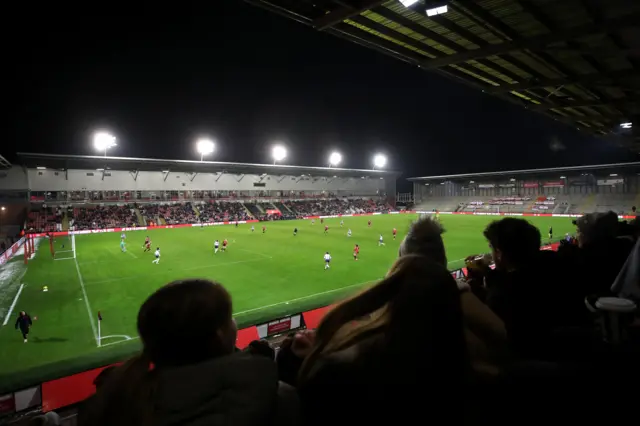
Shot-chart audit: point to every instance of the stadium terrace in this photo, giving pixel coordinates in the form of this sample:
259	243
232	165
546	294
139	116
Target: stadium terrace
289	243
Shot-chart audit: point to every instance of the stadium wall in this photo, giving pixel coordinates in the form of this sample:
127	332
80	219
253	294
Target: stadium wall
16	179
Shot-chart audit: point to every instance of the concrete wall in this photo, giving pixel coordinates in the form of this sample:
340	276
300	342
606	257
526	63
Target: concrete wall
16	179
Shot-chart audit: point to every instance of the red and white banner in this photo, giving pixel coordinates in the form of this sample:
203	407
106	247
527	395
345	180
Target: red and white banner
8	254
531	184
553	184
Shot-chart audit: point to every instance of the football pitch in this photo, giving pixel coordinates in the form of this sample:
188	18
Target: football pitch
268	274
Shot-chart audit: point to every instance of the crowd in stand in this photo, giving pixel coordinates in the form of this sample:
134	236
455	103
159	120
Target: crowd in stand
101	217
514	344
174	214
221	211
337	206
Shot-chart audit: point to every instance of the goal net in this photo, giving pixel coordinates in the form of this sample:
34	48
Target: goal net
63	248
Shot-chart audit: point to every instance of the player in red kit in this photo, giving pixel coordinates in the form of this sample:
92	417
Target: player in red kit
147	245
395	232
321	220
356	252
224	244
369	223
326	229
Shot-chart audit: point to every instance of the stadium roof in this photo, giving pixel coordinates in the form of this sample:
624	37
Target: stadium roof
577	61
616	168
65	162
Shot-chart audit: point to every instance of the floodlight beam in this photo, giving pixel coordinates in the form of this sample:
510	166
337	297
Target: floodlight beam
103	141
379	161
335	158
278	153
204	147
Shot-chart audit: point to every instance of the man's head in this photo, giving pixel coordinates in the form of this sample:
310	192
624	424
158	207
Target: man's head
513	242
425	238
595	227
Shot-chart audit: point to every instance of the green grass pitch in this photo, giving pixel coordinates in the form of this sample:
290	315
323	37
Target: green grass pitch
268	275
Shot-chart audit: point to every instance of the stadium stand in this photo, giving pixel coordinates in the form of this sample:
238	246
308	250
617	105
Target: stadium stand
100	217
508	331
45	220
220	211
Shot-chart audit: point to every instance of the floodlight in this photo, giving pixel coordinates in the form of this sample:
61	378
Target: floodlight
3	208
407	3
379	161
335	158
626	125
279	153
102	141
205	147
437	10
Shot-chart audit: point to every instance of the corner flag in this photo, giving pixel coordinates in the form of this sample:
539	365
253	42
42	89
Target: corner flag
99	316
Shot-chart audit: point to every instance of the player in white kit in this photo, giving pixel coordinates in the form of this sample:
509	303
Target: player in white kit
327	260
381	241
349	233
341	223
216	246
157	254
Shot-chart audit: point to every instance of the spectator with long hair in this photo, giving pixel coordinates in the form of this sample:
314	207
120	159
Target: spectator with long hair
188	372
373	353
484	331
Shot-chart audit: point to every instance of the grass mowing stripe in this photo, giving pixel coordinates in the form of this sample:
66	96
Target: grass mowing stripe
181	270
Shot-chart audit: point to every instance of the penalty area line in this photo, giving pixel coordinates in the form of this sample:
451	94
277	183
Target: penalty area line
13	305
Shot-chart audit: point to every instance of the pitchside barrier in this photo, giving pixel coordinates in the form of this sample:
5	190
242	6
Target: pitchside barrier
74	388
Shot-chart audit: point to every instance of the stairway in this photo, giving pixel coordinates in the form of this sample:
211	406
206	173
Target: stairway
589	204
254	210
141	220
65	222
283	209
196	211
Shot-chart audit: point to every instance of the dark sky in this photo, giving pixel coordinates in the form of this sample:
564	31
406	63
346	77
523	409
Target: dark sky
160	78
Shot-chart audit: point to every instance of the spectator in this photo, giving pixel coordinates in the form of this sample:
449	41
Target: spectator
601	253
361	365
188	372
527	289
484	331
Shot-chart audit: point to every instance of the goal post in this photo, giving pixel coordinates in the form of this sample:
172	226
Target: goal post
65	250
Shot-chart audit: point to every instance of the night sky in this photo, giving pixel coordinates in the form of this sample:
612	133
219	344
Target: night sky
158	79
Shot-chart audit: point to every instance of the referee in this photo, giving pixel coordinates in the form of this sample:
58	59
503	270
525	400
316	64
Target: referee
24	323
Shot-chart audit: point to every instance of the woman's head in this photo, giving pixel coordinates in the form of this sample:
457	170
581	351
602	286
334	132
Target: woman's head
425	239
186	322
418	297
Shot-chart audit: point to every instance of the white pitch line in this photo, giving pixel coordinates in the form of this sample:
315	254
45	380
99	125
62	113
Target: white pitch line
13	305
454	261
120	341
181	270
297	299
136	257
86	302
